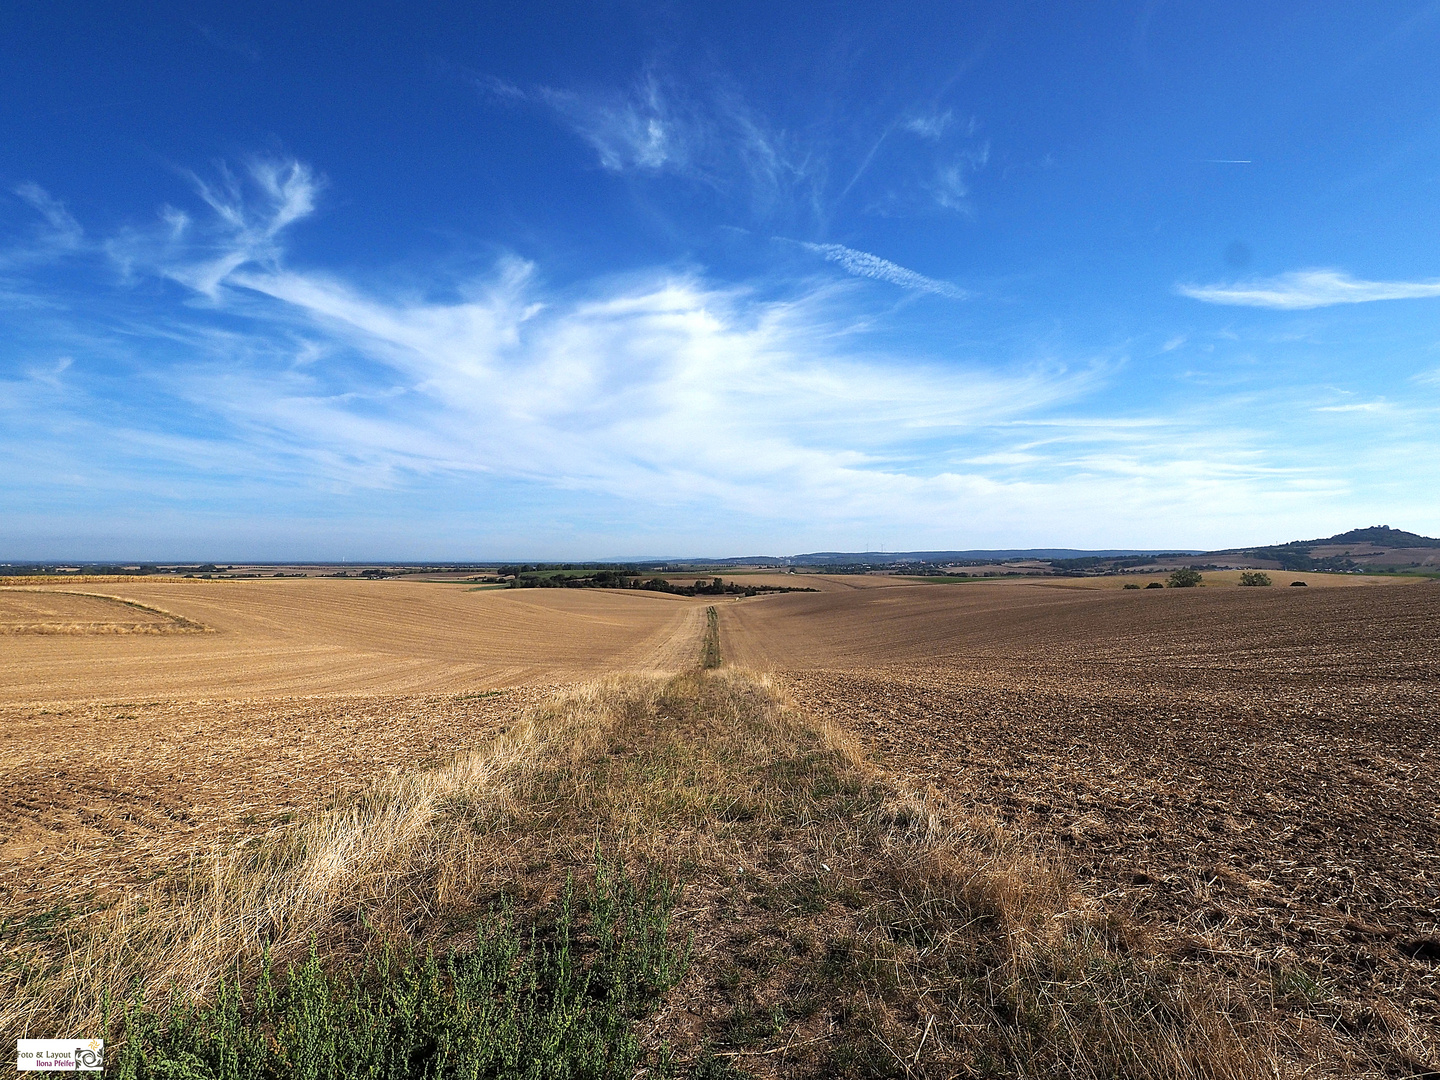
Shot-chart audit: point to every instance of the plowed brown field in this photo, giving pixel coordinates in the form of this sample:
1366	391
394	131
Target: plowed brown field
1251	774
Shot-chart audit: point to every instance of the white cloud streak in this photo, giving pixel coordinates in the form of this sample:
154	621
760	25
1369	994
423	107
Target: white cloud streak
1304	289
864	264
661	384
931	125
63	230
628	131
249	215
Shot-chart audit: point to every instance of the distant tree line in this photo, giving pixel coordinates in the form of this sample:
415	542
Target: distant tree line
619	579
70	569
1091	563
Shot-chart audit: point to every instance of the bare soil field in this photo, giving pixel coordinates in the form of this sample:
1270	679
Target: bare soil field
803	580
1231	578
1165	633
1213	579
1250	775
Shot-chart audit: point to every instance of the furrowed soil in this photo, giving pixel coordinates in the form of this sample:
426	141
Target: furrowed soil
1249	774
1245	779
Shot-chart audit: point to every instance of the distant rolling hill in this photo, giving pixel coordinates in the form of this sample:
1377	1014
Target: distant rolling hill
884	558
1378	547
1375	548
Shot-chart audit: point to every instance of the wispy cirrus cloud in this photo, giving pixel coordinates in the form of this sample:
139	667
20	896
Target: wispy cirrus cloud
641	129
661	381
55	235
710	136
864	264
706	132
249	214
930	125
61	228
1304	289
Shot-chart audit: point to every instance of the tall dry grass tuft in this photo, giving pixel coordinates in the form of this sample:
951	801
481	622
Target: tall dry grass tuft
842	925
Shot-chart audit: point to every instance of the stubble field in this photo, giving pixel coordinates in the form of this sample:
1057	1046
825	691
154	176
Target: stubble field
1245	777
142	726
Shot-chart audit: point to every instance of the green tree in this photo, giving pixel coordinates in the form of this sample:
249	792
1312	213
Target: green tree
1187	577
1254	577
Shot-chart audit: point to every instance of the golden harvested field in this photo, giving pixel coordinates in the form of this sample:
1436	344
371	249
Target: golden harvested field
1248	775
125	745
318	636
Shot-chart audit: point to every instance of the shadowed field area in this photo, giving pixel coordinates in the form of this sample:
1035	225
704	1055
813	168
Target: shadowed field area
66	612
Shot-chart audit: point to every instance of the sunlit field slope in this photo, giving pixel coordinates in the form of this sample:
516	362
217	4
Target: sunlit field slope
327	636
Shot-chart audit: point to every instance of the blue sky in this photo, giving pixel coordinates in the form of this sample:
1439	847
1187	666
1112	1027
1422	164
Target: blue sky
462	281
